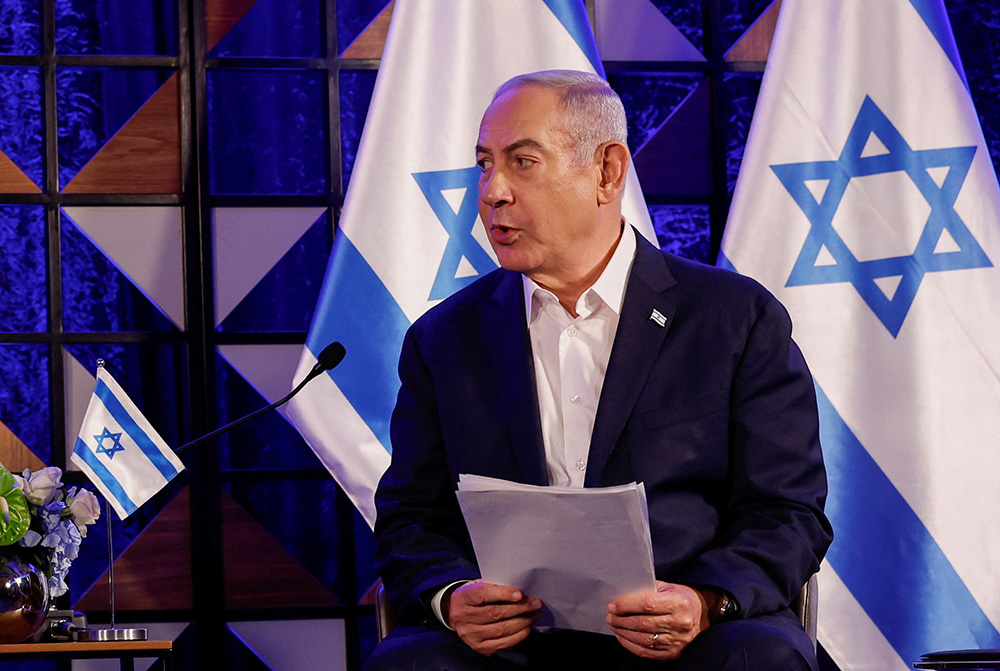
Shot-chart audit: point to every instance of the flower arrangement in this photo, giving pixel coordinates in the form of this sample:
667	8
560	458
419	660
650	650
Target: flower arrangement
49	523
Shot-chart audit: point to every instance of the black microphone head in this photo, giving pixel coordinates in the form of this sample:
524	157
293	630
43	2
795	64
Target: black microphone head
331	356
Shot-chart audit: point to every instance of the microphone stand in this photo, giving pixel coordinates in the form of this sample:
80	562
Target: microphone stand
329	358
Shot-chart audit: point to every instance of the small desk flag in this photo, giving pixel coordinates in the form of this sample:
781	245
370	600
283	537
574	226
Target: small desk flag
868	204
410	235
120	451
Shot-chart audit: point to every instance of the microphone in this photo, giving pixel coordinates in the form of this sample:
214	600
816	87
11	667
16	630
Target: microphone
328	359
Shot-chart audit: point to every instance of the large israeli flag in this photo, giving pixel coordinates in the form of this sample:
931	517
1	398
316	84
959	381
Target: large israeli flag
119	449
409	234
868	204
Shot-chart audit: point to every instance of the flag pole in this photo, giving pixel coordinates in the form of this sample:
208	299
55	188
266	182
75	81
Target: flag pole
111	564
112	632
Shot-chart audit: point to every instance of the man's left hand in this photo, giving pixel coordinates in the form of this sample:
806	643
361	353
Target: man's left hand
660	624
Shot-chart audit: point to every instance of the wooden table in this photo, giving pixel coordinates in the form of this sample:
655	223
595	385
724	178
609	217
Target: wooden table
126	651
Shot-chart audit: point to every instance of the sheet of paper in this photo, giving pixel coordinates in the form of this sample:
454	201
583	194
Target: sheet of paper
576	549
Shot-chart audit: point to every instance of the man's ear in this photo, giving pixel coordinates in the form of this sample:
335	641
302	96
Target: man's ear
612	159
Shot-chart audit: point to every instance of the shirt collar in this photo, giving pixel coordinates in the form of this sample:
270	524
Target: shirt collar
610	286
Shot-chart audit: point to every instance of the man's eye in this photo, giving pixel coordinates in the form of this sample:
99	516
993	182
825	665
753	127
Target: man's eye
523	162
484	163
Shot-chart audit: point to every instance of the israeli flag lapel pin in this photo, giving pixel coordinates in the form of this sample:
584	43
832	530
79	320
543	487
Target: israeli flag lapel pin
657	316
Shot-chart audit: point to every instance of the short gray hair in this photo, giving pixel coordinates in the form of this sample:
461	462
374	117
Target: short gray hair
594	112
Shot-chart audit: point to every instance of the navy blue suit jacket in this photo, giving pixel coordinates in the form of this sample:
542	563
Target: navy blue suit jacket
715	412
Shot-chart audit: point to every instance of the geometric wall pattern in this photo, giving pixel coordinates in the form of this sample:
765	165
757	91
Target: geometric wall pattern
143	156
189	256
154	572
268	368
13	179
636	30
247	243
145	244
290	645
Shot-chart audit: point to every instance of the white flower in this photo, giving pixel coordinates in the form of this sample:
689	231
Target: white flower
39	487
84	508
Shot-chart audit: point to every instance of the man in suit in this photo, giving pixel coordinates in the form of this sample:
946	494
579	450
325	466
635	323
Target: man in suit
593	359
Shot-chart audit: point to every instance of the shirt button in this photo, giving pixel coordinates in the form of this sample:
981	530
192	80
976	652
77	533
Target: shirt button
572	331
575	399
581	465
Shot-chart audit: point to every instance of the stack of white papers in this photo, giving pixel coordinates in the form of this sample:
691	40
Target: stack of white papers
576	549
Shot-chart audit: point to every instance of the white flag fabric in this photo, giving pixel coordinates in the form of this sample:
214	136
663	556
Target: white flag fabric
120	451
409	234
868	204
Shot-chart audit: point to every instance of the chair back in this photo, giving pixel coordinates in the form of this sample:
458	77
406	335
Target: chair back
806	606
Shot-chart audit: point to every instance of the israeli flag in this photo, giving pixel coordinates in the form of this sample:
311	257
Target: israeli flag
868	204
409	234
120	451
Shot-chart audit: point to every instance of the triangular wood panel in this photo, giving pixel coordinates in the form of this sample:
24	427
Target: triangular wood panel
259	571
677	158
13	179
154	572
221	16
144	156
14	454
368	598
371	41
754	45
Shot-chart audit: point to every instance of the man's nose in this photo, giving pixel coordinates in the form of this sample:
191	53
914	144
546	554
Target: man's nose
494	190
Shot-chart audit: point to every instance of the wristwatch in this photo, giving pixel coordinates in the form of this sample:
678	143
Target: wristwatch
724	608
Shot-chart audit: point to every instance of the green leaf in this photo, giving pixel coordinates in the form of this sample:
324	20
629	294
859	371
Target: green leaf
15	518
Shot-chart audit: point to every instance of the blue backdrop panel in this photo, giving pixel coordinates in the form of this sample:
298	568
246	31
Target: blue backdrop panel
24	279
117	27
741	98
276	29
21	119
24	396
20	27
684	230
267	131
356	89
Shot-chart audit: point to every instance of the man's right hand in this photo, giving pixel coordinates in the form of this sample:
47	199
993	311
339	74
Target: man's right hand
488	617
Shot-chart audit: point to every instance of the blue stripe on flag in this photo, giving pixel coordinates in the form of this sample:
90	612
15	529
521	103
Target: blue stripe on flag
124	419
105	476
356	308
936	17
573	15
888	559
722	261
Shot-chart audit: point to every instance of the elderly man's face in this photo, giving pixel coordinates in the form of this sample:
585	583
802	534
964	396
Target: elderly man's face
538	206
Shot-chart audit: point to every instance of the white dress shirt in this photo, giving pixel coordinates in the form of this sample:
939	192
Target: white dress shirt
571	359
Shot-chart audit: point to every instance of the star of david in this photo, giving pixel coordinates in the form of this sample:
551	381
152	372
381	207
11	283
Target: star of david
911	268
459	225
116	444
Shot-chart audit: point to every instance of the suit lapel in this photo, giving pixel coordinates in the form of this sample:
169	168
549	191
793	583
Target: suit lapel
637	343
513	368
